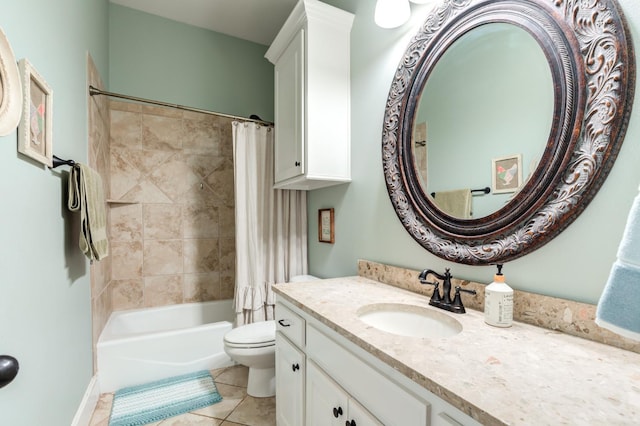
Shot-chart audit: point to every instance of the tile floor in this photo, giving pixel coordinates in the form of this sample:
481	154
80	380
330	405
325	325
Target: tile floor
236	408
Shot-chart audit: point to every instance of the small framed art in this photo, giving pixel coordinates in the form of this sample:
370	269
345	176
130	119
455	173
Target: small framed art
35	130
506	173
326	227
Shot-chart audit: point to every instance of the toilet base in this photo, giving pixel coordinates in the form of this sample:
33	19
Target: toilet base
262	382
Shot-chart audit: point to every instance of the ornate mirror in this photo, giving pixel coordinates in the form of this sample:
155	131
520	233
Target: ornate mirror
520	104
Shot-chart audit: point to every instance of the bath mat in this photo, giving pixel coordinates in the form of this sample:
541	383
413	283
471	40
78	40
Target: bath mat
139	405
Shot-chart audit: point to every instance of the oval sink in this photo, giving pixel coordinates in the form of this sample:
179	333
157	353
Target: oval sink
409	320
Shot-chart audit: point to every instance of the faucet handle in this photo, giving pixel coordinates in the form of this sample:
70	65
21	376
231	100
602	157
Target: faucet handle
457	306
436	299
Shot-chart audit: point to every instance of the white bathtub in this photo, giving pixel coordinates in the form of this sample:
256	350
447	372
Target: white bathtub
142	345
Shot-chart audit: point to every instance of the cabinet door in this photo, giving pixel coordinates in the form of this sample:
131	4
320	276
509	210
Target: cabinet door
290	373
359	416
289	111
327	403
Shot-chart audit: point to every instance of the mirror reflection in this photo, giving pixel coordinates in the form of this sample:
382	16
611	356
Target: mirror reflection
483	120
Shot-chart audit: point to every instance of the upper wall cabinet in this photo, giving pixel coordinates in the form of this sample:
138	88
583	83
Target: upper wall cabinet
312	97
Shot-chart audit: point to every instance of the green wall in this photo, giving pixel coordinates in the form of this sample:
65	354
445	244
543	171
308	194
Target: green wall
45	311
574	265
156	58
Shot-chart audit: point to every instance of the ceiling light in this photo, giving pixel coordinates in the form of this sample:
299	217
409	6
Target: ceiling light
392	13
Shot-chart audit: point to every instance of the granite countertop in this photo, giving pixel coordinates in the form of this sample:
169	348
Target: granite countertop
517	375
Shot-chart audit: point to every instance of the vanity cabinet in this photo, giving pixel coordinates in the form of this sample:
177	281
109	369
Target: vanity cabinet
311	55
342	384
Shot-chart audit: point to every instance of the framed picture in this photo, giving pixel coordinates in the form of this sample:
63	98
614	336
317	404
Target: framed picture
506	173
10	88
326	227
35	130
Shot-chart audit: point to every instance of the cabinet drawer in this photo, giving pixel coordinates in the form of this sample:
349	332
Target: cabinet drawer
290	324
385	399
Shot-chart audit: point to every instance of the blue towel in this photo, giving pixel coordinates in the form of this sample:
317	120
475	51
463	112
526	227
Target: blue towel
629	249
619	305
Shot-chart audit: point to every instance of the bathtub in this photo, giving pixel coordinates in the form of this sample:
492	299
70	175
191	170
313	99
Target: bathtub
142	345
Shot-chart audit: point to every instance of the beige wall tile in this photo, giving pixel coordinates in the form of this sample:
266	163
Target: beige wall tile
227	255
161	133
126	260
126	129
201	255
201	287
200	221
127	294
201	135
146	192
124	176
227	285
162	221
126	222
162	257
163	290
221	184
227	221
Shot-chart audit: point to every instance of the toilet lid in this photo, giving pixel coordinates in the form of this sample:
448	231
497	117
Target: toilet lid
257	332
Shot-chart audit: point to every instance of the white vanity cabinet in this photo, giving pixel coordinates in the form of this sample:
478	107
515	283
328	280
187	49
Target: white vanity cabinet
311	54
342	384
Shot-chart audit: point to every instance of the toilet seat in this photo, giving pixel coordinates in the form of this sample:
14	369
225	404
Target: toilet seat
256	335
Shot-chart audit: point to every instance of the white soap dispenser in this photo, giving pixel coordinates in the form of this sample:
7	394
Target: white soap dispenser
498	302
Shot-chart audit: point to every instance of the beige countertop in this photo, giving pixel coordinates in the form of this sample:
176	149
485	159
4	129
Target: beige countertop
515	376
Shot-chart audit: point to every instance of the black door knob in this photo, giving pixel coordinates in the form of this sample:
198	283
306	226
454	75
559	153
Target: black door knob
295	367
350	423
337	412
297	163
8	369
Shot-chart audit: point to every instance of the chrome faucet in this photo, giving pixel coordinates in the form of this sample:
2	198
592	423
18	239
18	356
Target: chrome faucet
444	301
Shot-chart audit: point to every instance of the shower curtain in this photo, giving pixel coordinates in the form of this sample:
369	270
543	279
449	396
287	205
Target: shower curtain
271	225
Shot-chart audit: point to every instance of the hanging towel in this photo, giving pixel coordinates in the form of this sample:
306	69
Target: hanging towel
86	195
619	305
455	203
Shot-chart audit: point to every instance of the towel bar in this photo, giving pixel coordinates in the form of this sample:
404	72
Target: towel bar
484	190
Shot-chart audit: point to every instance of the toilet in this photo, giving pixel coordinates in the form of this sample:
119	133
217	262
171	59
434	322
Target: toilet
254	345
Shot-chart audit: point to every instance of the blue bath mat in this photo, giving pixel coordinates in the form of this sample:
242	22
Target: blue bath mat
151	402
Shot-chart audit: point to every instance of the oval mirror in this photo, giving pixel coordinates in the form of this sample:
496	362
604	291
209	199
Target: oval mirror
542	153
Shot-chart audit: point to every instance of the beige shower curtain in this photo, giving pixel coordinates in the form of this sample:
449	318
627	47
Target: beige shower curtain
271	225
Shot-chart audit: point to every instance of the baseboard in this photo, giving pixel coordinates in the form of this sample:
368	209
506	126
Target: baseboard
88	404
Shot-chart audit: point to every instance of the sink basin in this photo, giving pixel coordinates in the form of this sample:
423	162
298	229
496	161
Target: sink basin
409	320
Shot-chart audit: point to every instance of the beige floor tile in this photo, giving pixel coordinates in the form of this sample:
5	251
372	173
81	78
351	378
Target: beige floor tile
225	423
255	412
236	376
190	420
232	396
102	411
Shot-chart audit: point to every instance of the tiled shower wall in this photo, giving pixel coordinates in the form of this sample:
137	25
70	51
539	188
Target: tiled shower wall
172	227
98	153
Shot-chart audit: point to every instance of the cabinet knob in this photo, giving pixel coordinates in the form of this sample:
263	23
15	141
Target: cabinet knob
295	367
337	412
297	164
350	423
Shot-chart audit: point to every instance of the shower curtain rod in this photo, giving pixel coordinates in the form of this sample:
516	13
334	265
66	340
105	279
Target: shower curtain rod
254	118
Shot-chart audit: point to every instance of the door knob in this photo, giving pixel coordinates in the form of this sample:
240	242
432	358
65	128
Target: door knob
8	369
337	412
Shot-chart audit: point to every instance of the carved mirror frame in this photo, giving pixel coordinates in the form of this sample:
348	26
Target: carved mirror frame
589	51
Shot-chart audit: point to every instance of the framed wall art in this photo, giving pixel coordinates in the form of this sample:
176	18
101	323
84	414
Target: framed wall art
506	173
10	89
326	227
35	130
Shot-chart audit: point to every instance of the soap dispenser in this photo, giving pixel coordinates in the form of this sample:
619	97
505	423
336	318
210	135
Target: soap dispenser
498	302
